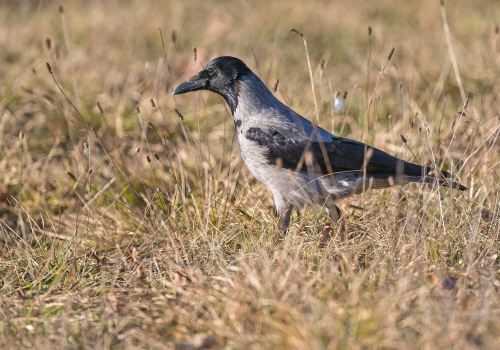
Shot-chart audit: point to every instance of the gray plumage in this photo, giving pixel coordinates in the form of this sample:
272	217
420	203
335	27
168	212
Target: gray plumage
299	162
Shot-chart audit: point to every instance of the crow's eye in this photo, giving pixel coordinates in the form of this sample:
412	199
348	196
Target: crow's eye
211	71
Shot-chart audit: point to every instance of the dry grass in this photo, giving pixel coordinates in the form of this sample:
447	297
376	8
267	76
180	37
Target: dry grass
124	253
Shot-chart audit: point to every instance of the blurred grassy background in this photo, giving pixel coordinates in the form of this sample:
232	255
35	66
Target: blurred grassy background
174	252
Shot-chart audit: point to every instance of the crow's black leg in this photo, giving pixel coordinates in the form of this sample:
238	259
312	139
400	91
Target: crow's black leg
284	219
335	214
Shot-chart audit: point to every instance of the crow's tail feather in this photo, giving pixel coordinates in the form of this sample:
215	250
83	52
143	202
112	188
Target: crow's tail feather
446	183
445	180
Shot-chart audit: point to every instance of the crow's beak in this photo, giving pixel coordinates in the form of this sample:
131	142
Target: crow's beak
197	82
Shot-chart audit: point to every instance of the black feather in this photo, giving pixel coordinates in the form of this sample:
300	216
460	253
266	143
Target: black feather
342	155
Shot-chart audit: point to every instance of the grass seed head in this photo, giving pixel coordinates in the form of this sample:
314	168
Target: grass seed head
275	87
179	114
100	108
296	32
390	54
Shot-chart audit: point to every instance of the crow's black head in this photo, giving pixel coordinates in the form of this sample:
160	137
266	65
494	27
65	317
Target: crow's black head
220	76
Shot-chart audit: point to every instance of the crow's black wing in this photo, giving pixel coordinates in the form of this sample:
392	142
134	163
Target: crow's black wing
337	155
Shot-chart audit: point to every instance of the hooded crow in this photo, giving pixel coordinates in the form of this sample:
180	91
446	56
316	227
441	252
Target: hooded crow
301	163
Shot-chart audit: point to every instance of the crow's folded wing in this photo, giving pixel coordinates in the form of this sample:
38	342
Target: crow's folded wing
337	154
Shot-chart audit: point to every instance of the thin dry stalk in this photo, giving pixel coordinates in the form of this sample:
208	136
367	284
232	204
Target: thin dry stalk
70	57
370	101
296	32
451	51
